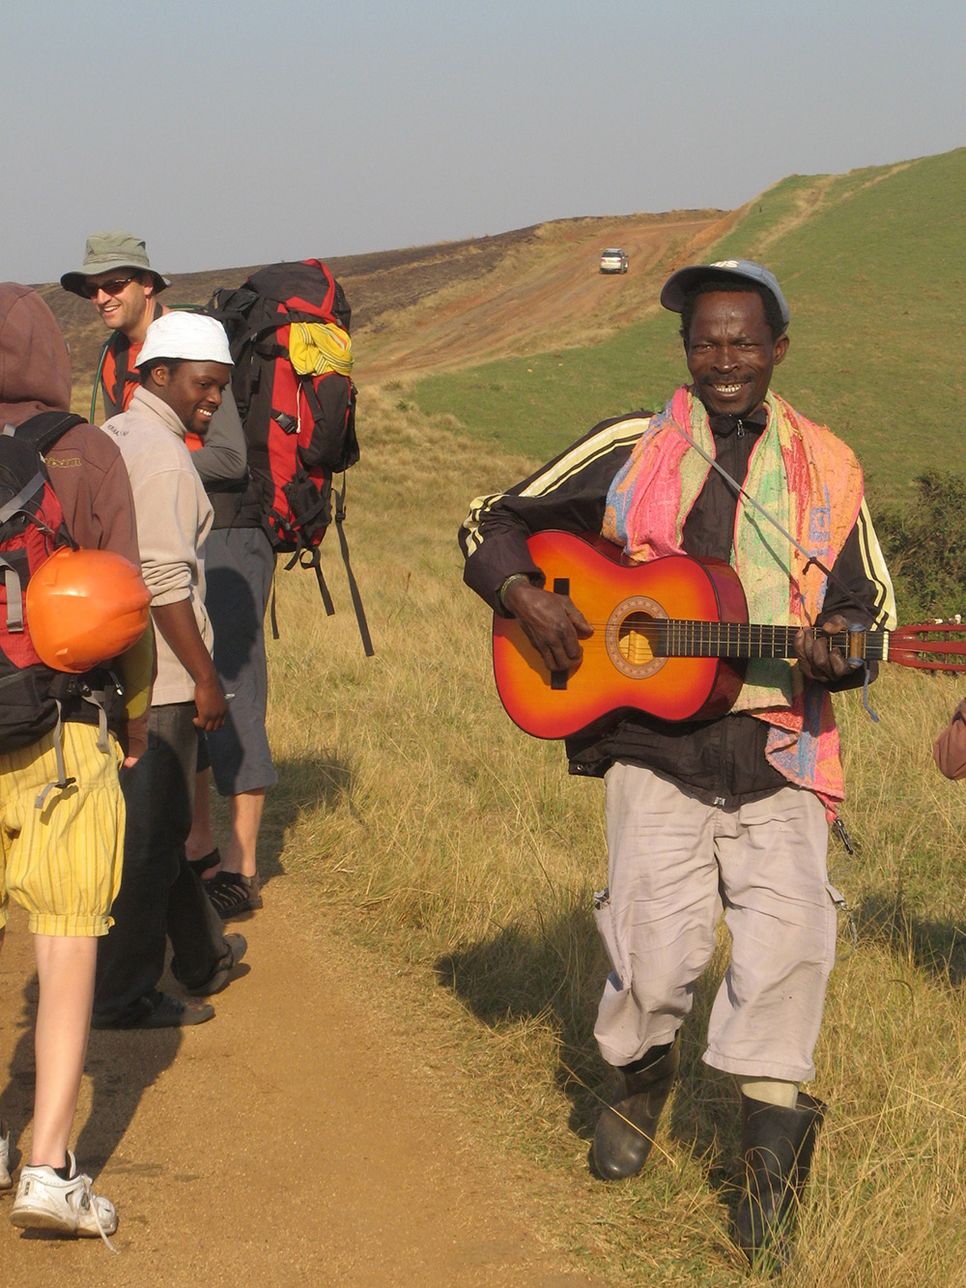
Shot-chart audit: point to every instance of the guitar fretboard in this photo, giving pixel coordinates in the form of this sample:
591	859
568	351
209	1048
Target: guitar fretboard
731	639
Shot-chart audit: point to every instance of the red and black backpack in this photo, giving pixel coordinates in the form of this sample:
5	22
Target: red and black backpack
300	428
33	696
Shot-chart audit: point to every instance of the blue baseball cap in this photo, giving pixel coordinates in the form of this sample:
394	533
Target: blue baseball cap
680	283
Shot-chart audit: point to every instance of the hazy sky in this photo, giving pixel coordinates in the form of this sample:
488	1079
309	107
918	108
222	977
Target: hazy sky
237	133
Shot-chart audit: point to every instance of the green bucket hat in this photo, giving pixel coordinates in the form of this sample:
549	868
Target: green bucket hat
105	252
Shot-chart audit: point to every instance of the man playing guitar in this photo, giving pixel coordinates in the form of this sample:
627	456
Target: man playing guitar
728	813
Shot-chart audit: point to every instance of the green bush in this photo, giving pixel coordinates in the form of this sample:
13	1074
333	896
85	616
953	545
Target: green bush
925	545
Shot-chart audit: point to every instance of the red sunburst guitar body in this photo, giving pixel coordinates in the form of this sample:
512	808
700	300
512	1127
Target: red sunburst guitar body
671	639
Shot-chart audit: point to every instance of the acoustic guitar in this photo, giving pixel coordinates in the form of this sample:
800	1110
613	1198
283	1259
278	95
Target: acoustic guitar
671	638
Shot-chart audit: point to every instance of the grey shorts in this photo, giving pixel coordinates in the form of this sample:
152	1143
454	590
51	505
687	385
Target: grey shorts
239	565
677	864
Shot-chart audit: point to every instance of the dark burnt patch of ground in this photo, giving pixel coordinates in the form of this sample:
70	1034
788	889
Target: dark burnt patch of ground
376	283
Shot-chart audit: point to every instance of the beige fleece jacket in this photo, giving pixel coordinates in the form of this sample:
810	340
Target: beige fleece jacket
173	519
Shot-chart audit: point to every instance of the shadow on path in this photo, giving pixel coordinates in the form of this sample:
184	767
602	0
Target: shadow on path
556	975
123	1065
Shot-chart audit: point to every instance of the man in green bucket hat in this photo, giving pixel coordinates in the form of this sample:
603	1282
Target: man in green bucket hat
117	277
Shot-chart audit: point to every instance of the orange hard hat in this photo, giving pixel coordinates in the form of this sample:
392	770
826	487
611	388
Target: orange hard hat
84	607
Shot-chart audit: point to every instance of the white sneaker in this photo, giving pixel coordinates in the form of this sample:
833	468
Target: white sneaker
45	1202
5	1181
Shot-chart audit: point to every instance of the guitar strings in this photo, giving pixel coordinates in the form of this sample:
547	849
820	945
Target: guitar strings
696	638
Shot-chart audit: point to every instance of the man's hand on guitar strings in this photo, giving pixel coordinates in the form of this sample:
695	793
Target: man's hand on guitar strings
817	660
552	623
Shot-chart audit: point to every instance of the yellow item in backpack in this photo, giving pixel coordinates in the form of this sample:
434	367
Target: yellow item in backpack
315	348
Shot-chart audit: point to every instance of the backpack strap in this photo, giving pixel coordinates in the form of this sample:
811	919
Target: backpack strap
14	588
43	430
307	556
310	557
99	698
98	374
16	503
61	782
40	431
114	398
273	610
350	576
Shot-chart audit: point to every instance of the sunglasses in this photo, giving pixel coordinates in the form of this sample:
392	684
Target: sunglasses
114	287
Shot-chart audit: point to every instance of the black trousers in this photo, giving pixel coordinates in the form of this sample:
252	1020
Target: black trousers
160	896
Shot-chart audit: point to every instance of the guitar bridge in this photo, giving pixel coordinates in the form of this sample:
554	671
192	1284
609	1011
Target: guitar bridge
558	679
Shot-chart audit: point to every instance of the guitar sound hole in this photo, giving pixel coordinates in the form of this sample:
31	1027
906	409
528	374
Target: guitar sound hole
632	636
634	641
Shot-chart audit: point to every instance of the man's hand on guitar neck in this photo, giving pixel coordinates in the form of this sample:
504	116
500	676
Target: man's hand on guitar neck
552	623
817	660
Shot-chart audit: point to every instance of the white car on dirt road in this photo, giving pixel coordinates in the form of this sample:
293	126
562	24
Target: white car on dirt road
613	260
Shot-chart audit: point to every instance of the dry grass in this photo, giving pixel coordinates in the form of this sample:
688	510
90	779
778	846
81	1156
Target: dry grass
465	852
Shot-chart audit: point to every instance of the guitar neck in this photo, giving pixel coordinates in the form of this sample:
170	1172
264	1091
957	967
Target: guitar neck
671	638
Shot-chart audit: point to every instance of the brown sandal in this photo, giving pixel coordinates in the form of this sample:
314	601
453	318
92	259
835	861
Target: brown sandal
232	894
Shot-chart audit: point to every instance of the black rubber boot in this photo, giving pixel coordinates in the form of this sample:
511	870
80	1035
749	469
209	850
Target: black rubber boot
777	1145
625	1130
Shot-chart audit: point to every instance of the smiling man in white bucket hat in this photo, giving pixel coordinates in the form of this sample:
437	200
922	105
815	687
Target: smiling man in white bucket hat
185	366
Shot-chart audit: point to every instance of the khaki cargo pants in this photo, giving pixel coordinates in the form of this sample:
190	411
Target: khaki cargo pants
675	863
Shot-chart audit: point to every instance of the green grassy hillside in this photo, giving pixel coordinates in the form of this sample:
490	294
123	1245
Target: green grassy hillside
874	266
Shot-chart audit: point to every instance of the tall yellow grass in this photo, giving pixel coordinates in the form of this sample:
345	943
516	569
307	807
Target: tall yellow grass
462	848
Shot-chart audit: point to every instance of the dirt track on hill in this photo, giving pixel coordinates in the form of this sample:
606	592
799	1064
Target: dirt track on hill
544	293
299	1138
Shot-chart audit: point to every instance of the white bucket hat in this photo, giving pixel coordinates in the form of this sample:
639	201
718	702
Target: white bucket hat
190	336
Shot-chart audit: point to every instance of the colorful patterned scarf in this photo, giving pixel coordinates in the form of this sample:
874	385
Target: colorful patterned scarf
811	483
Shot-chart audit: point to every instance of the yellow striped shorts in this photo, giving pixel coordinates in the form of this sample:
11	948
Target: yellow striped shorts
62	862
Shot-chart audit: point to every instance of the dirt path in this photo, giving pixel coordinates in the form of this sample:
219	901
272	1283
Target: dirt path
544	292
296	1139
